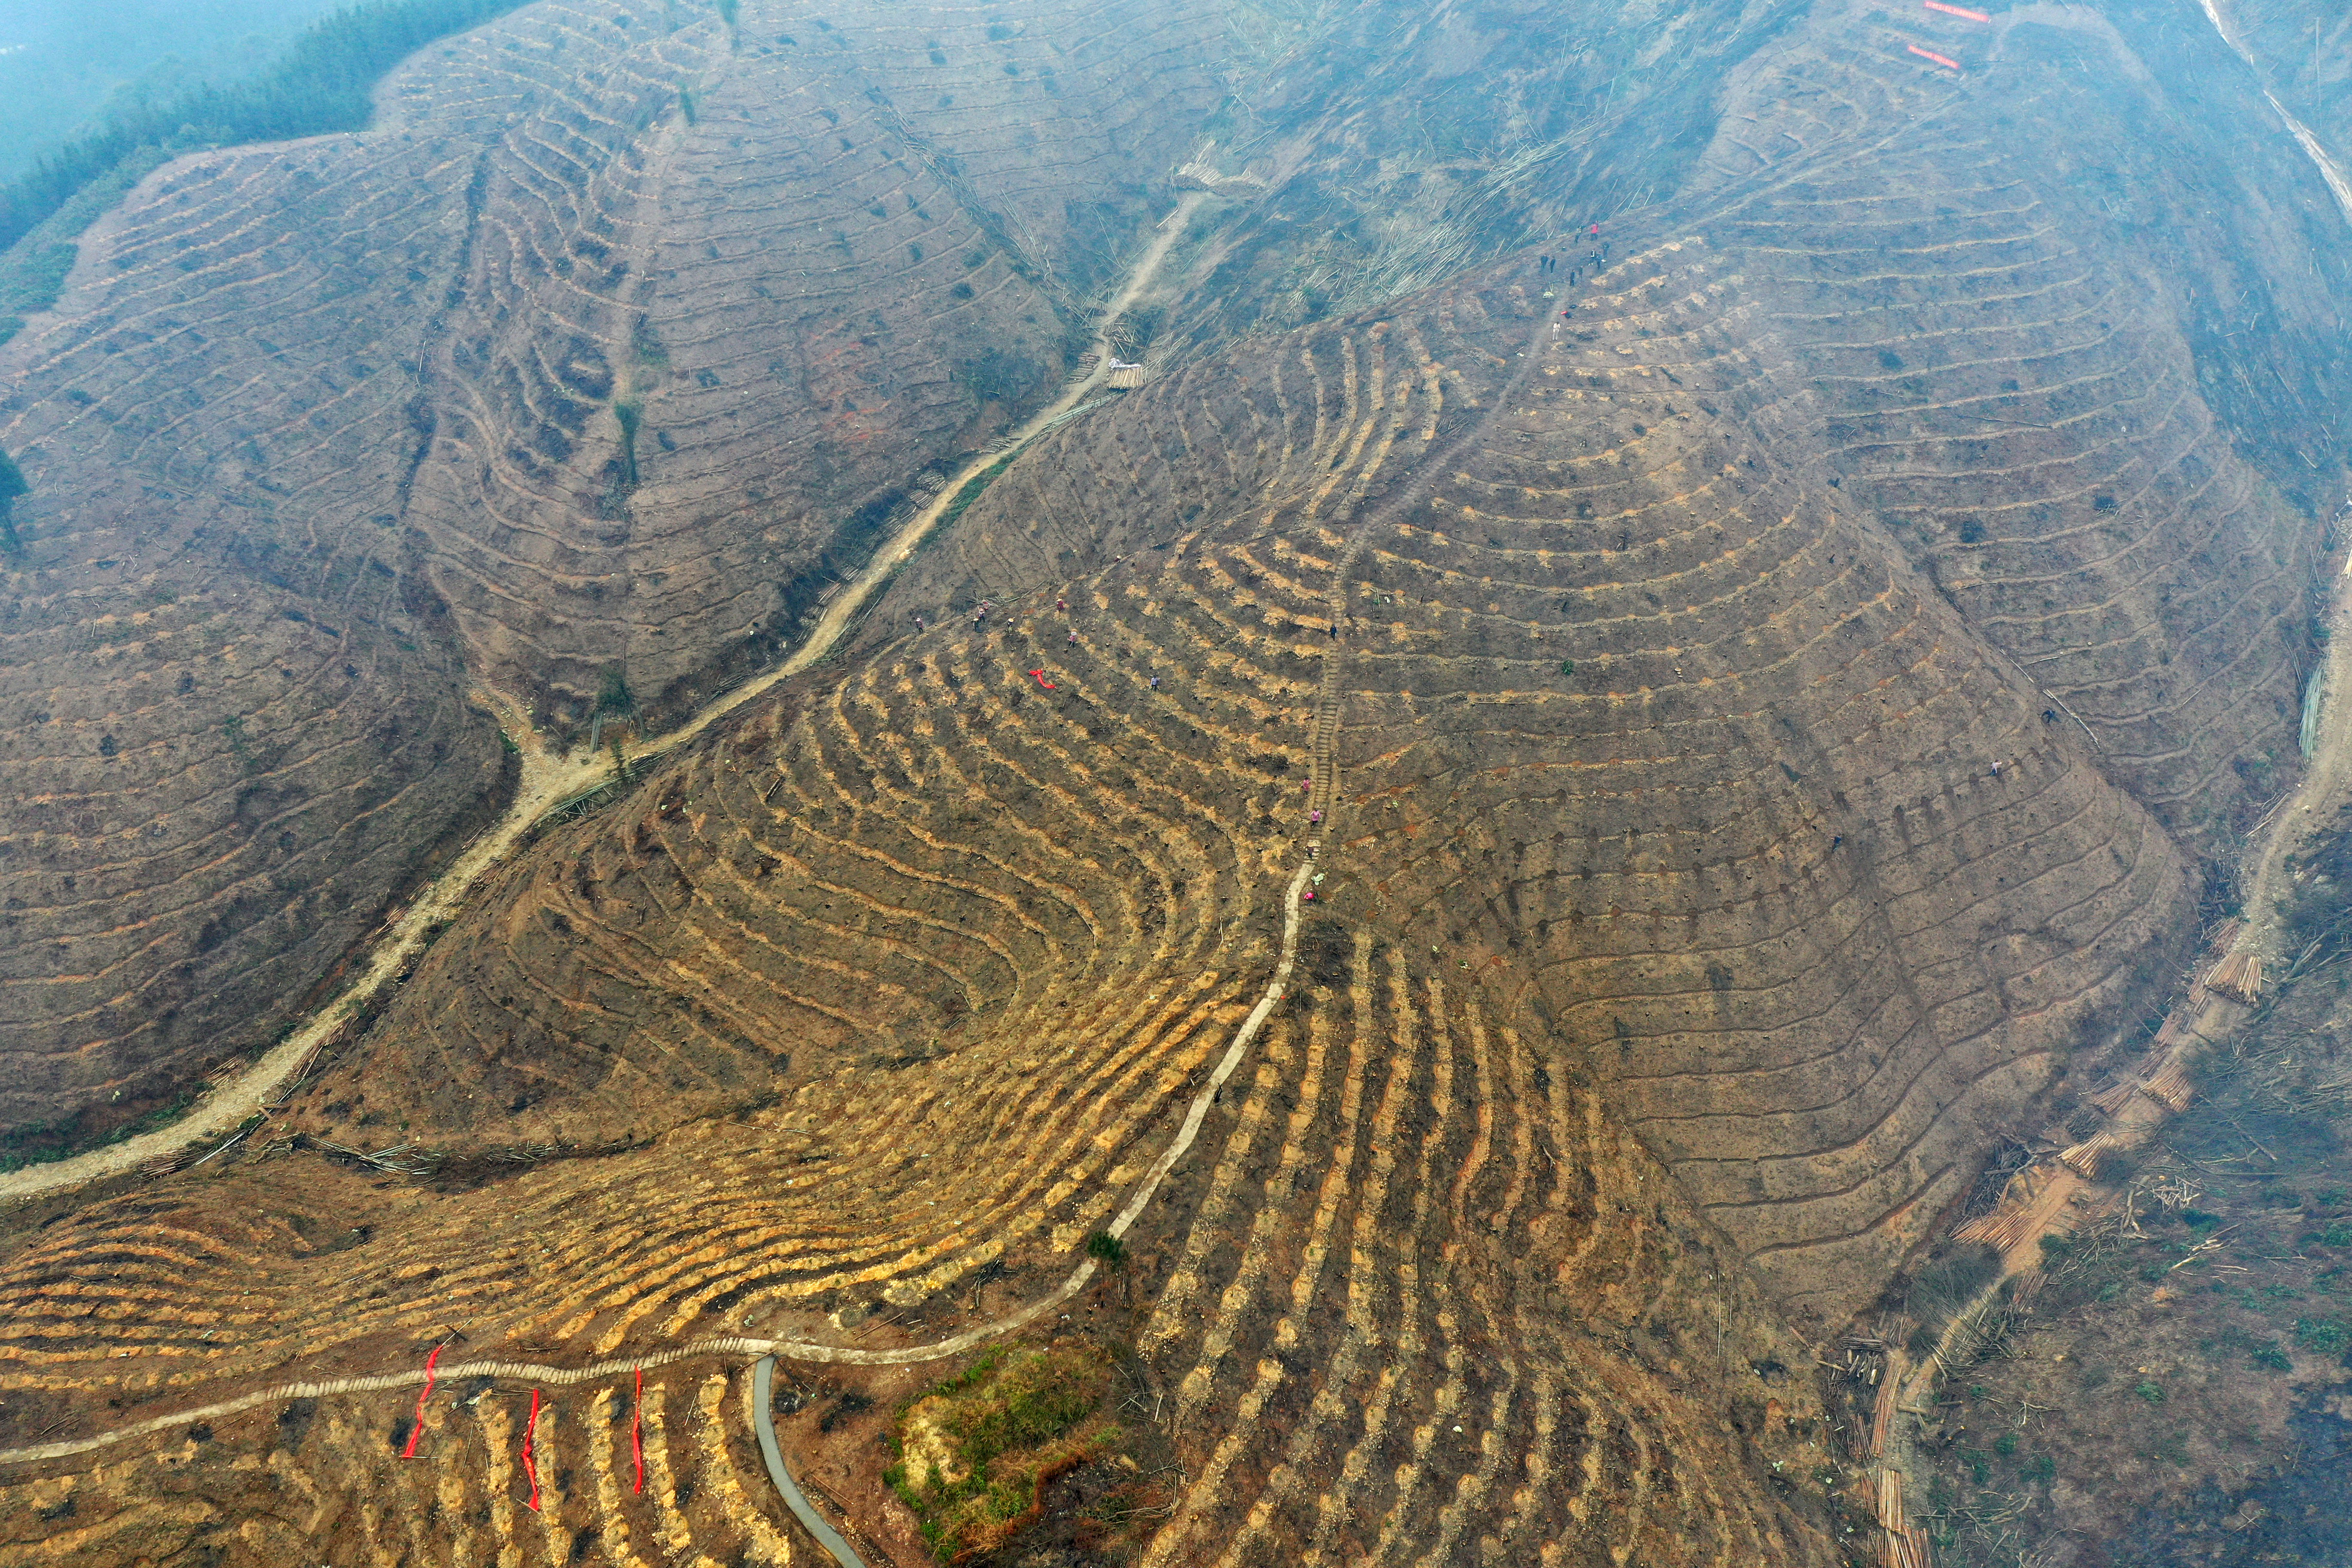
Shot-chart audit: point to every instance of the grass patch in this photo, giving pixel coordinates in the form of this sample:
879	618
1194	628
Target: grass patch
46	1142
976	1451
970	493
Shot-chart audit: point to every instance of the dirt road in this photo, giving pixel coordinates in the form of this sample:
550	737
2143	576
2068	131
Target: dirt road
548	781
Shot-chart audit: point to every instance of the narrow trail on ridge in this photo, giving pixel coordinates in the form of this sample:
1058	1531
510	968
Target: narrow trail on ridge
2326	780
739	1345
1324	793
550	781
2337	183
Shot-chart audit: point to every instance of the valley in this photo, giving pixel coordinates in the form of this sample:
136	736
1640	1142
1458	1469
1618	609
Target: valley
1440	900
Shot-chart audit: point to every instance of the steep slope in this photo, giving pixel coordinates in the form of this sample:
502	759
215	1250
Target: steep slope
2090	377
1735	792
1726	795
588	365
226	751
2010	385
1405	1224
2303	53
1003	925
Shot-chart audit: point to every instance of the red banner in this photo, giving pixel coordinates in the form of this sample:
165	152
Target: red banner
637	1431
530	1459
418	1429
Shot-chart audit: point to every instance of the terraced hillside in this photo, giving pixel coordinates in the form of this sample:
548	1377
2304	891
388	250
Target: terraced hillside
1000	858
2019	402
2136	583
592	361
1731	790
1405	1225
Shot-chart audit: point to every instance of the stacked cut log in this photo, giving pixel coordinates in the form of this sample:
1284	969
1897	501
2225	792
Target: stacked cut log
2239	977
1882	1422
2009	1219
2171	1086
2085	1158
2115	1097
2003	1228
1902	1544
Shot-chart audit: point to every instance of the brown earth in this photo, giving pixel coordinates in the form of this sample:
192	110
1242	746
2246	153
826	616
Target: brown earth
1743	787
321	433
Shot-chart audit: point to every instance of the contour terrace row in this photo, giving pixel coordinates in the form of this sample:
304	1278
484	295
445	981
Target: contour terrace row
2017	401
322	431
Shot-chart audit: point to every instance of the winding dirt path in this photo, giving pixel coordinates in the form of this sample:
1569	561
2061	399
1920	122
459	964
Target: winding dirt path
2217	13
2327	781
2203	1018
549	780
1244	1033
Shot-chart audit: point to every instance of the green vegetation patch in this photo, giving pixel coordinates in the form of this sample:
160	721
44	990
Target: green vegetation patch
46	1142
970	494
976	1452
323	82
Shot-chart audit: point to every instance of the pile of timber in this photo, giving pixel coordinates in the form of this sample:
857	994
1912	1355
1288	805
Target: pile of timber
1882	1415
2005	1225
2001	1229
2171	1086
2239	977
1890	1501
1904	1544
2084	1158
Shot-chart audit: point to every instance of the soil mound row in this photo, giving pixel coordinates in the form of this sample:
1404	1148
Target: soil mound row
1721	792
323	430
1428	1299
318	1478
2017	401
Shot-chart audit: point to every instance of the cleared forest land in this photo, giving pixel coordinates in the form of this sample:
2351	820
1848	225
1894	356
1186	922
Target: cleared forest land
1703	792
581	374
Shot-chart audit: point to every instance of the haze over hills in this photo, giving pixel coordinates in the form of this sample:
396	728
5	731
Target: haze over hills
1645	754
61	64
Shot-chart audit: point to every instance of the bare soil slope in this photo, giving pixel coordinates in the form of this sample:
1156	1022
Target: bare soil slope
1737	790
598	358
